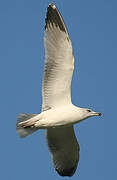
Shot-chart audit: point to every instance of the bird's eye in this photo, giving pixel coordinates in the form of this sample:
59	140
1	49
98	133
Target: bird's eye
88	110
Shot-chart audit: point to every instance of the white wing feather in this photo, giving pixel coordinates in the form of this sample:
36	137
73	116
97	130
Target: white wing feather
59	65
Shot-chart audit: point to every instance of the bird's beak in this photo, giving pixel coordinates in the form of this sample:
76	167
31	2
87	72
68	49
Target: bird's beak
97	114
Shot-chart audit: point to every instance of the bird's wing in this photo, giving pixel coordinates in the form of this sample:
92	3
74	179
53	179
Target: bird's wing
64	149
59	61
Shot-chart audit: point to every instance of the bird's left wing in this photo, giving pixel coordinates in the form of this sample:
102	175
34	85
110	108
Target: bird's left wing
64	149
59	61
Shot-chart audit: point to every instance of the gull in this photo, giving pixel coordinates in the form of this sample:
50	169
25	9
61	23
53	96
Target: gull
58	113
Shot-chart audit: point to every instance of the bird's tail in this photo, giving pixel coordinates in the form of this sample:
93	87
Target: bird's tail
25	124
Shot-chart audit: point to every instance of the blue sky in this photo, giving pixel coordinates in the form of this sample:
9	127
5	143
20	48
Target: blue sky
92	26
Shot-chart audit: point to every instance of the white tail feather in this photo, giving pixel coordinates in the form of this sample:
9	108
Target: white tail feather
25	131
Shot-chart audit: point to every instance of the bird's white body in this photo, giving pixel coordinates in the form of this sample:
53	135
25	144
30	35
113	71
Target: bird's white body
59	117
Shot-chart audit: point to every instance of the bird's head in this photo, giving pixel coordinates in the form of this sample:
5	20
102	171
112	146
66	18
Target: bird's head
86	113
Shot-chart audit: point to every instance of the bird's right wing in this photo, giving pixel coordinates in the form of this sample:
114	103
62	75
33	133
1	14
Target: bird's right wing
64	149
59	61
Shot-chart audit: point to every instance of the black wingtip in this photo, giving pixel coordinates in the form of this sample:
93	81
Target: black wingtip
67	172
53	16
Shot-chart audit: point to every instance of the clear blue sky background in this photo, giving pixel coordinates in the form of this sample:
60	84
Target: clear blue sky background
92	27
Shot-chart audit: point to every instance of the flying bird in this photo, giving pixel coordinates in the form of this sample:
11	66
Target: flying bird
58	113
